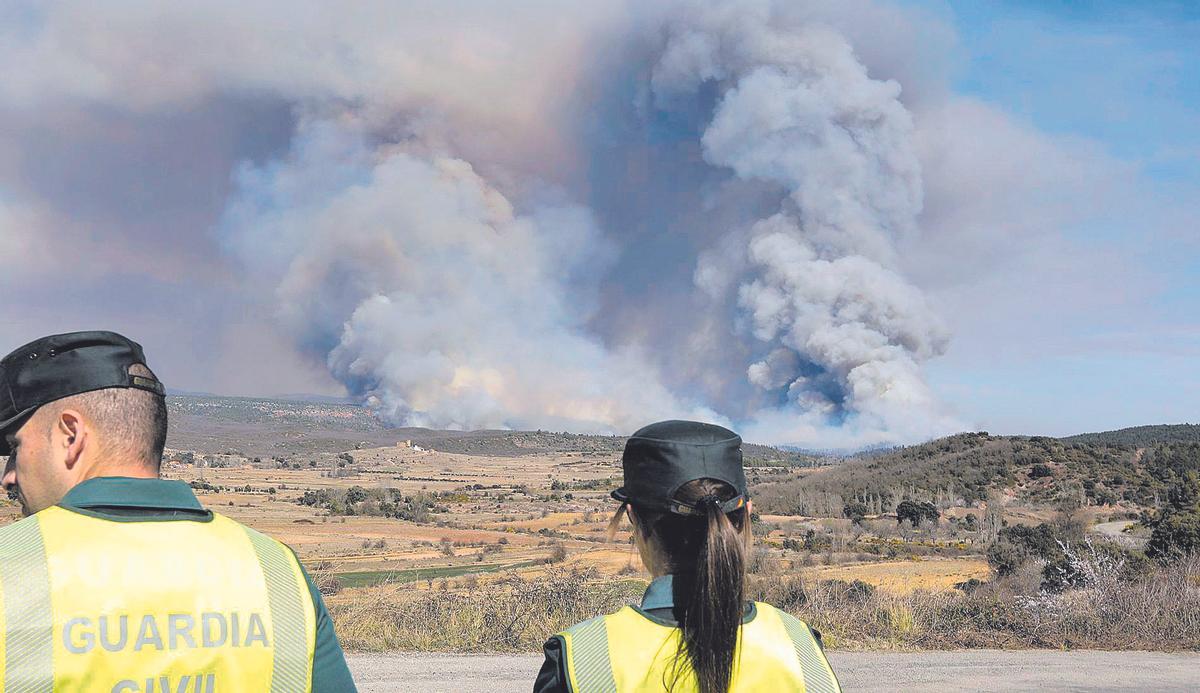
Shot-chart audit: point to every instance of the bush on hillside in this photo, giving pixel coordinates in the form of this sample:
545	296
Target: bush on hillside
1175	537
1040	471
1177	529
855	511
1019	543
916	512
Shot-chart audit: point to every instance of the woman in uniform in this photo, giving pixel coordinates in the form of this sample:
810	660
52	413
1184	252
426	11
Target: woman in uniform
685	495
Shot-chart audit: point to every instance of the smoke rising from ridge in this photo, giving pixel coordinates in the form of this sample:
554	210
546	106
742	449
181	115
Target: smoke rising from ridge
585	219
450	285
449	303
430	295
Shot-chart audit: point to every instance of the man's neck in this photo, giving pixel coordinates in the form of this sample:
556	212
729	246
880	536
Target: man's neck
132	470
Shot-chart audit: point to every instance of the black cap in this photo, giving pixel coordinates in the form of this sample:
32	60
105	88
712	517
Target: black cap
662	457
62	365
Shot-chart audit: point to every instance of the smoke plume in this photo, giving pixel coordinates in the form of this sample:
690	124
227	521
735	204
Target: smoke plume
585	217
430	295
451	279
842	332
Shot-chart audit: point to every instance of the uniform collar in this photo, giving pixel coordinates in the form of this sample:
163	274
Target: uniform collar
659	594
128	492
658	603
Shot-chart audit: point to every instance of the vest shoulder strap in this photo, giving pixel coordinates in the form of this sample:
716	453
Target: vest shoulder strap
28	623
818	675
589	668
291	612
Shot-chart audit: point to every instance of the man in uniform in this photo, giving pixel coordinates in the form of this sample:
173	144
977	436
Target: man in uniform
121	582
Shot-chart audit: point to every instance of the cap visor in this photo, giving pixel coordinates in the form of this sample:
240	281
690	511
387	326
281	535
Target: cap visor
620	495
12	425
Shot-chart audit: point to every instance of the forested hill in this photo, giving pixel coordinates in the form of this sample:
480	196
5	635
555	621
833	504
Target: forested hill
970	467
1140	436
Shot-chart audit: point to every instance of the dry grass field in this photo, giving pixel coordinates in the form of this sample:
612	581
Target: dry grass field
500	513
505	523
940	574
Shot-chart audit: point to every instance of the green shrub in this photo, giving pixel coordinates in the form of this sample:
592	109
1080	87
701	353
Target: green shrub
916	512
1175	537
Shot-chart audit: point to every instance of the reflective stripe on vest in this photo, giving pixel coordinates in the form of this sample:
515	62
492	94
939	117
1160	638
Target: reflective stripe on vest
94	604
29	643
818	675
590	668
627	651
288	601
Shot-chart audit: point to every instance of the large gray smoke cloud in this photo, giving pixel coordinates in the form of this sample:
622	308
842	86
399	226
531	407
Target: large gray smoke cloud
445	306
817	280
450	226
430	294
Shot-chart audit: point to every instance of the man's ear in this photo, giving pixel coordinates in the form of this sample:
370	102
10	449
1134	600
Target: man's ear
74	433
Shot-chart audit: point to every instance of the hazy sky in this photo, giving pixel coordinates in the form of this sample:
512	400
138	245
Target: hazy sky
822	222
1122	78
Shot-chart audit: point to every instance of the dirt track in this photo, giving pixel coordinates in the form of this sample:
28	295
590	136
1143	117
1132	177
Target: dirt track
969	670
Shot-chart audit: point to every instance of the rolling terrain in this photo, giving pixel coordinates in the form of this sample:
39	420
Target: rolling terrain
426	540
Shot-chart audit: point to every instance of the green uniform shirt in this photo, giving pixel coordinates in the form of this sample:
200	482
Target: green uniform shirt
158	500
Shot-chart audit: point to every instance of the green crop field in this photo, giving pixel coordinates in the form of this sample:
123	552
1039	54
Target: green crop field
367	578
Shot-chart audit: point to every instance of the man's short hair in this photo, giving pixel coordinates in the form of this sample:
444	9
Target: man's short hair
132	422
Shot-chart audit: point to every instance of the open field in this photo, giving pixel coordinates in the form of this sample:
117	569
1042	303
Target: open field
515	520
509	504
510	520
906	576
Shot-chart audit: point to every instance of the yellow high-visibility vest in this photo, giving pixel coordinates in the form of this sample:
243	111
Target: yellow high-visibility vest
626	652
139	606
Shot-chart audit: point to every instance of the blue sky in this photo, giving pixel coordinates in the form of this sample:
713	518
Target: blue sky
1125	76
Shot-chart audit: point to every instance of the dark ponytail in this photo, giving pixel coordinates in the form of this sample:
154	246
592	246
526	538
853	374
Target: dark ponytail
706	554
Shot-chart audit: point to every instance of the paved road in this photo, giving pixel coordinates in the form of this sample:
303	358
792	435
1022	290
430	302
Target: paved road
965	670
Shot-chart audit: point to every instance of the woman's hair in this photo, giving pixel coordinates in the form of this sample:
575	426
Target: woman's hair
706	554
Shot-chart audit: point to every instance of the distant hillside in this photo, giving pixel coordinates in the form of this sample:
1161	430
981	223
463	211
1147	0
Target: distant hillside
267	427
767	456
516	443
1141	436
970	467
1132	465
261	427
